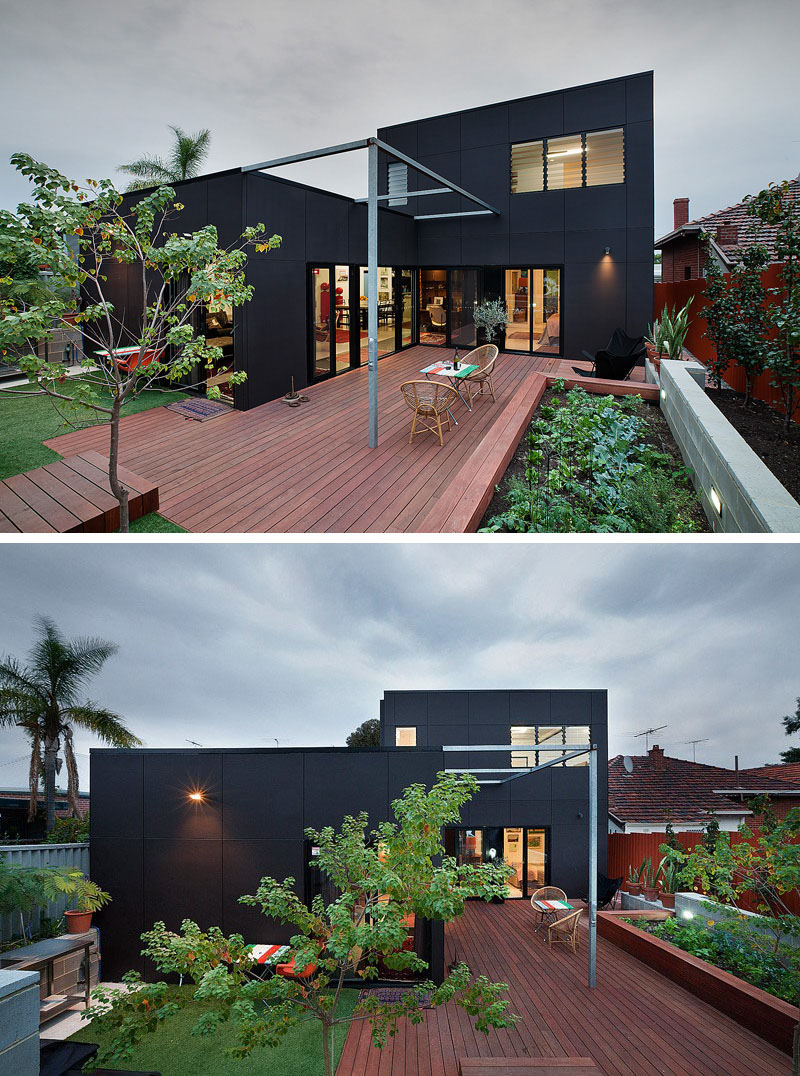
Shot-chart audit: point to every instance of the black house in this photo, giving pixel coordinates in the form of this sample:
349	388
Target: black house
569	250
164	855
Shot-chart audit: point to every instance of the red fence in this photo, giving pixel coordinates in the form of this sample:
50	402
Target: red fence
678	293
629	849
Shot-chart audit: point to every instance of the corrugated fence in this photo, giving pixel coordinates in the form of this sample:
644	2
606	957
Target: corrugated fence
41	855
629	849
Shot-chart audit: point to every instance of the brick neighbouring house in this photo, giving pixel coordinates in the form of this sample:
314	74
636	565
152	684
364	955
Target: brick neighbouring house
14	812
730	232
660	789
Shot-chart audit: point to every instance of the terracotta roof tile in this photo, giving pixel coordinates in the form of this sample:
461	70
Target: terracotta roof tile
660	787
750	230
780	771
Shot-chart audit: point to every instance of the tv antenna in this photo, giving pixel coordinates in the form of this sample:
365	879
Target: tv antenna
648	733
194	743
694	744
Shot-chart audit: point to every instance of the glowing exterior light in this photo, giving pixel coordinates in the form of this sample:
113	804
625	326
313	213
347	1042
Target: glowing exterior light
197	797
715	500
607	250
687	914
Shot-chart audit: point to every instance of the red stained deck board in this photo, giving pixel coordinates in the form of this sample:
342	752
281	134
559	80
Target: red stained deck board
636	1021
72	494
282	469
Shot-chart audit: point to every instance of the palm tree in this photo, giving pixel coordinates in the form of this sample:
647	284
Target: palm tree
185	158
43	697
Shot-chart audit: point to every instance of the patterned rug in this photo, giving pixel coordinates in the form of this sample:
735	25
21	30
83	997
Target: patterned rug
199	410
390	994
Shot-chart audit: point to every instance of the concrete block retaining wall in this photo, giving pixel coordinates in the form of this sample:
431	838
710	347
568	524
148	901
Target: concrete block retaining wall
19	1022
751	499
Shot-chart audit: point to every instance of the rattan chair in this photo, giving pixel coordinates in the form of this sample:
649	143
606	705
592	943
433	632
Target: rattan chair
565	930
547	892
431	402
484	357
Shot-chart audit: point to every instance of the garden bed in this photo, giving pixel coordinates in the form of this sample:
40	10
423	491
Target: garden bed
762	429
549	487
764	1014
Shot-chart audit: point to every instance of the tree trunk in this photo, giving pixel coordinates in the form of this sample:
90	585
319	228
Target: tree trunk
326	1048
50	756
117	488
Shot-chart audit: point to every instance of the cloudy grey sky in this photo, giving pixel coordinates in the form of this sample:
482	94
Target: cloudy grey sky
235	645
95	83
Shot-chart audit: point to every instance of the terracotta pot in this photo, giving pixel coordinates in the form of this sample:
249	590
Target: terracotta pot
667	899
650	892
78	922
634	888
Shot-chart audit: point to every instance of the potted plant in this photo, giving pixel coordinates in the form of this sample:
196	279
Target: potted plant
667	881
648	880
89	898
490	316
634	885
654	341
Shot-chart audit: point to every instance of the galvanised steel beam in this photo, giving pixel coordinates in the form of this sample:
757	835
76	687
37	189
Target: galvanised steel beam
407	194
398	156
309	155
441	216
372	290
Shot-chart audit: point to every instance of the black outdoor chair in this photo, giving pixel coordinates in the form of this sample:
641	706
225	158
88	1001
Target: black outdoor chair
607	889
615	362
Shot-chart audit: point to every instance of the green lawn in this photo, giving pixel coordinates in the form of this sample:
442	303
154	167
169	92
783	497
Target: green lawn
173	1051
24	424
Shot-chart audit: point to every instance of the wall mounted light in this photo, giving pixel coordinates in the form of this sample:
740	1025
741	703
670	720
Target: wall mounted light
607	250
687	914
716	501
197	796
663	394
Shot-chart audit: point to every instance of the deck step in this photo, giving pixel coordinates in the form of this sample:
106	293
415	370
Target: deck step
71	495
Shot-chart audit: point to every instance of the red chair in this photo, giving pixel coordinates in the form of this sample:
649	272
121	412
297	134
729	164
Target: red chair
289	970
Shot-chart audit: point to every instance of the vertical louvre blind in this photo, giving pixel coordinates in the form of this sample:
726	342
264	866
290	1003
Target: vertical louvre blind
527	167
589	160
398	182
605	157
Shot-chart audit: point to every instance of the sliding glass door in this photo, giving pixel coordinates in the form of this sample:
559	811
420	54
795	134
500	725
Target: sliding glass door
533	306
463	299
523	848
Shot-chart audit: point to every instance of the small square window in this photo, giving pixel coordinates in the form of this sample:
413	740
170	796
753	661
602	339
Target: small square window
406	736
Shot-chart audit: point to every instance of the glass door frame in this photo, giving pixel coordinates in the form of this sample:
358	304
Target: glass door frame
532	268
526	893
354	316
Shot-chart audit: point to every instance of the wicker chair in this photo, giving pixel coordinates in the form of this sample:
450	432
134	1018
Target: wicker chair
484	357
431	402
565	930
547	892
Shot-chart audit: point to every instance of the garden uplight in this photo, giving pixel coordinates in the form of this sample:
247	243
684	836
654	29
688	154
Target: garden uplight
687	914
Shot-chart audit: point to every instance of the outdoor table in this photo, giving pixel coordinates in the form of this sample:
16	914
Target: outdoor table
550	910
268	954
446	369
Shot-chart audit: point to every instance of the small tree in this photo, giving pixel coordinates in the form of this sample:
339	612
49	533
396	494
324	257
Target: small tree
186	156
180	275
776	207
368	734
491	316
718	314
382	877
791	724
736	315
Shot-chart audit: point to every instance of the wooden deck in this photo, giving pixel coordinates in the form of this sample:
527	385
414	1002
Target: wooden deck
634	1022
71	495
283	469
